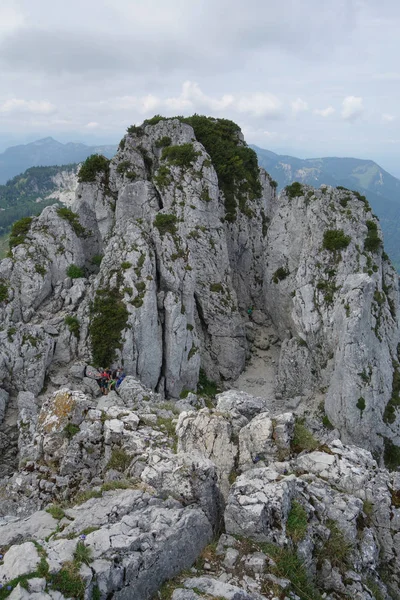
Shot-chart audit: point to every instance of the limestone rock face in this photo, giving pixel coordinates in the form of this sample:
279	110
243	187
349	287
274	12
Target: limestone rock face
335	301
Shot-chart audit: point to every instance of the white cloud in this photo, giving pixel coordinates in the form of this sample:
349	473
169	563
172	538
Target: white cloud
17	105
193	99
92	125
324	112
386	118
10	19
352	108
299	105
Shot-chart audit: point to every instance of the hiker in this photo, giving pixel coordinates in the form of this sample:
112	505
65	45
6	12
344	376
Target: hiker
120	379
250	311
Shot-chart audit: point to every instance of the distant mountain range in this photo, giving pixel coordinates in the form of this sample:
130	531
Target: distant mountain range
46	152
365	176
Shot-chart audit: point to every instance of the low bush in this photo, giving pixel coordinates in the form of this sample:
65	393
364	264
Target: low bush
166	223
372	242
19	231
180	156
93	166
294	190
335	239
391	455
303	439
296	525
119	460
73	219
280	274
73	325
75	272
3	292
108	319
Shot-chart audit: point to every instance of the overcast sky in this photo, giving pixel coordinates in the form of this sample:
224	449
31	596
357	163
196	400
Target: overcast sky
306	77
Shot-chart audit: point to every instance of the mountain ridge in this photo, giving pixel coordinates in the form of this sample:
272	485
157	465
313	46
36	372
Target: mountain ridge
47	152
363	175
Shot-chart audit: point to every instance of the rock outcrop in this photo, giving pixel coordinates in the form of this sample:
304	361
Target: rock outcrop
179	262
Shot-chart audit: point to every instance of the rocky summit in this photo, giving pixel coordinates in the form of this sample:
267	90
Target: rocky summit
252	450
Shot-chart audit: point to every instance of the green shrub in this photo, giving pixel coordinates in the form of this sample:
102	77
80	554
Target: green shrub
289	566
163	142
337	548
40	269
135	130
166	223
181	156
362	199
75	272
19	231
131	175
234	162
70	430
96	259
389	415
296	525
94	165
73	325
372	242
82	554
119	460
216	287
73	219
361	403
3	292
205	387
154	120
335	239
280	274
108	319
56	512
163	177
123	166
303	439
294	190
69	582
126	265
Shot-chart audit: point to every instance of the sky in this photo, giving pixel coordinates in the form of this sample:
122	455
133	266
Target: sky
304	77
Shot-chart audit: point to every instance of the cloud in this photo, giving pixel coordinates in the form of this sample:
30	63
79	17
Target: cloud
325	112
17	105
92	125
386	118
352	108
299	105
193	99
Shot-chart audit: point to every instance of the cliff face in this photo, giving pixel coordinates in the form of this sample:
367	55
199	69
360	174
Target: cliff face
174	255
156	266
333	294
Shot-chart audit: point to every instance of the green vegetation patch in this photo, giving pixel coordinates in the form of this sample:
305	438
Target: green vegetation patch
68	215
303	439
69	582
280	274
372	242
296	525
94	165
389	415
361	403
70	430
166	223
56	512
163	142
3	292
19	231
294	190
289	566
108	319
235	164
335	239
119	460
75	272
73	325
181	156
